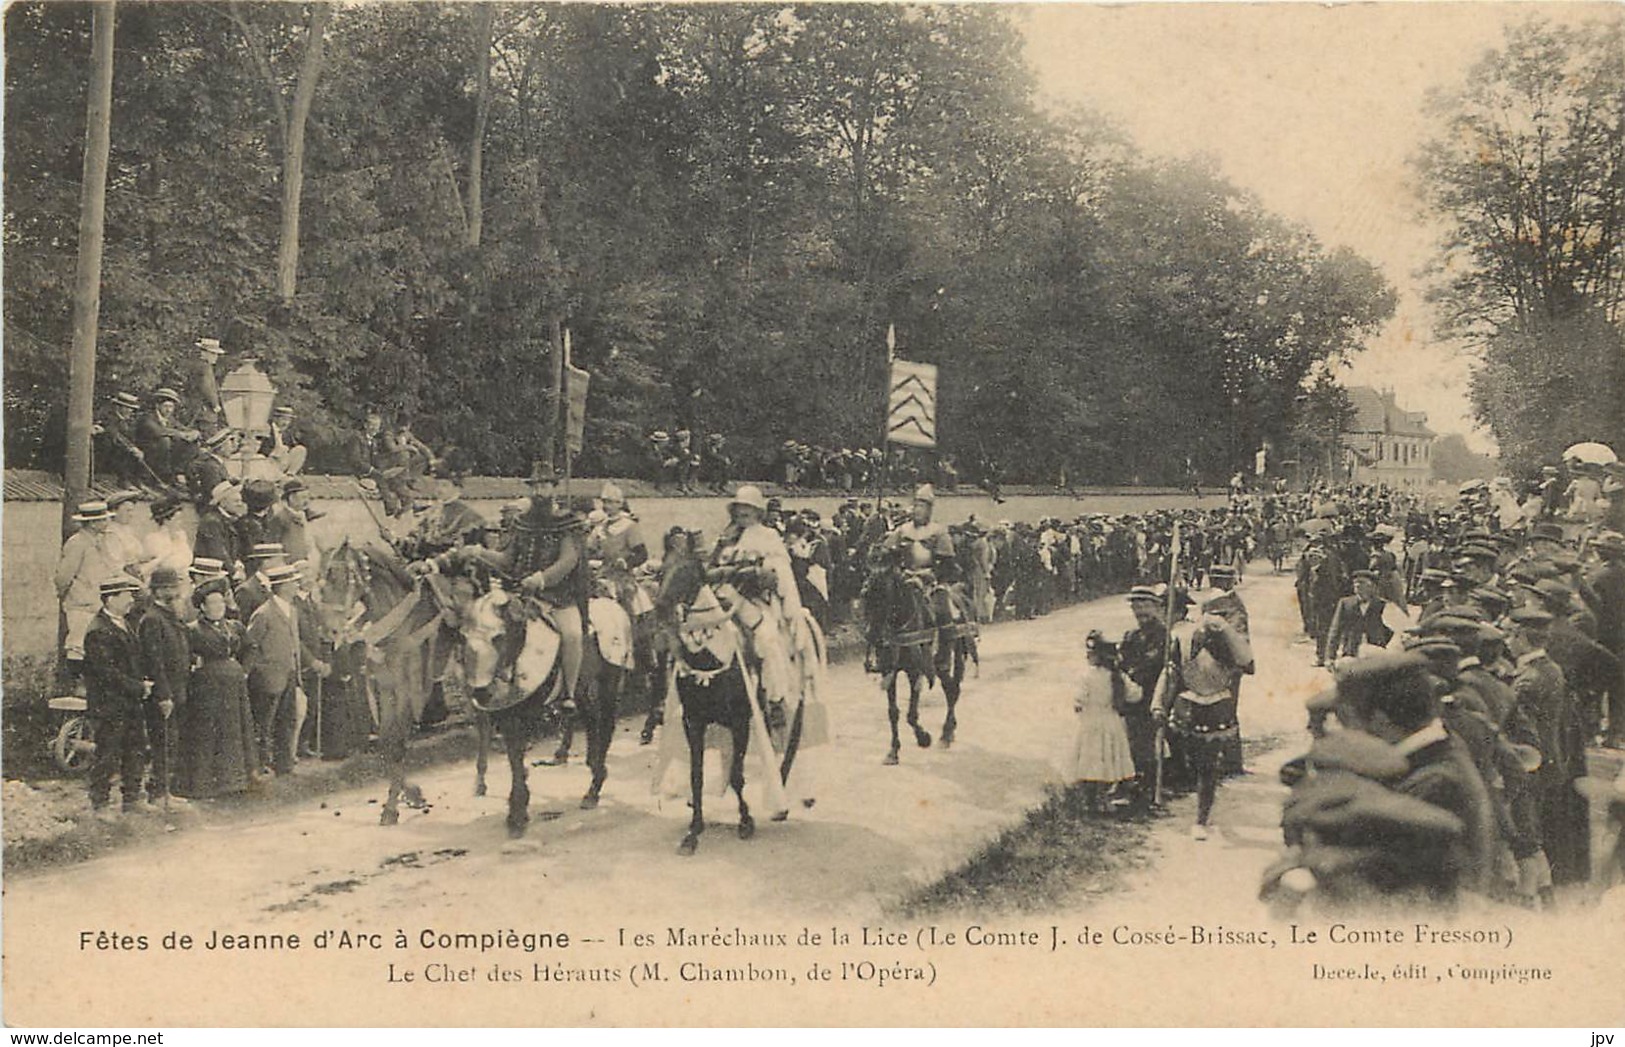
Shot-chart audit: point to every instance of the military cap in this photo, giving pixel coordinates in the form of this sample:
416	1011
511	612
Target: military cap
1434	576
1529	614
1493	600
1371	674
1553	592
1477	551
1445	622
1546	531
1609	542
119	583
1362	573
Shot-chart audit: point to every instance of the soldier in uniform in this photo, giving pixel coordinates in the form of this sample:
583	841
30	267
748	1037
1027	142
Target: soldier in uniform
1140	657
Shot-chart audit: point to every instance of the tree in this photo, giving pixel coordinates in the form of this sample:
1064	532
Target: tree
1529	169
87	284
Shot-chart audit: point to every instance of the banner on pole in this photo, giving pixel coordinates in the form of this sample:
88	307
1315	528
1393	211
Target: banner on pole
575	430
911	412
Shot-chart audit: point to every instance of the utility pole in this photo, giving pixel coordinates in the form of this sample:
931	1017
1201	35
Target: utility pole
87	281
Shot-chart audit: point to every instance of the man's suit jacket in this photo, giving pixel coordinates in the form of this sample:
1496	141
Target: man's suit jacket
1352	628
113	669
273	650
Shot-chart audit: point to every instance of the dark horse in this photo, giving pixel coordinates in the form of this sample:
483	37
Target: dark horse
714	687
912	629
375	602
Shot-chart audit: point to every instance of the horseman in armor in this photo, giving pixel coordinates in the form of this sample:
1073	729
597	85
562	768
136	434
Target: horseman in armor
927	550
752	569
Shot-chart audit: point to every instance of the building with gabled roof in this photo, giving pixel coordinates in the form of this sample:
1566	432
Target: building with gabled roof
1384	443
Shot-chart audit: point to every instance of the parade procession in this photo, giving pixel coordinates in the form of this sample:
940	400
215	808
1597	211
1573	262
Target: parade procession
842	461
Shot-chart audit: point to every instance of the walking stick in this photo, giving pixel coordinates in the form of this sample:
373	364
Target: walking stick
1167	655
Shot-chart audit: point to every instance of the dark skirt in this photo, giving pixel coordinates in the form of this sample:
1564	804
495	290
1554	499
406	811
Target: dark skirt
1205	728
215	752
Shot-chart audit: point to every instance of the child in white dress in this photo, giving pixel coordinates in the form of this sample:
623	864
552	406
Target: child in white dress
1100	756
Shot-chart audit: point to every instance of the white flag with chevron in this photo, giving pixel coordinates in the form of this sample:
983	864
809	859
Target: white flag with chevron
911	413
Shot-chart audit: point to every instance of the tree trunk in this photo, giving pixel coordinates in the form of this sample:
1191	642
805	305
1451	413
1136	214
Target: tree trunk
484	18
87	284
293	158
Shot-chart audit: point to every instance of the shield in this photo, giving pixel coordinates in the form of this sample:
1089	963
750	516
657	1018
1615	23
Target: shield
1591	454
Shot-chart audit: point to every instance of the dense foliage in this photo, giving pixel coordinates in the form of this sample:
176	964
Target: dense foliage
726	205
1529	166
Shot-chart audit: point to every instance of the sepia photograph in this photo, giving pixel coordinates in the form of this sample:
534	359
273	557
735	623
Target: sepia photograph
813	515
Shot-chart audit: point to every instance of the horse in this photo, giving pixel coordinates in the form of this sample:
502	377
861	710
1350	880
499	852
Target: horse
912	628
713	686
524	704
369	600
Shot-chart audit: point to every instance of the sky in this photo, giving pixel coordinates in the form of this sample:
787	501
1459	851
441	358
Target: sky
1317	110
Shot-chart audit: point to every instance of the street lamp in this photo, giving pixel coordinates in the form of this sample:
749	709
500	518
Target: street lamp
246	395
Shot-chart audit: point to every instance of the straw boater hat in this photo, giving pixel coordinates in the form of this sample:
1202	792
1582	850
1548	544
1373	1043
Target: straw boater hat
119	583
122	399
90	512
166	393
211	346
219	436
205	567
284	573
265	551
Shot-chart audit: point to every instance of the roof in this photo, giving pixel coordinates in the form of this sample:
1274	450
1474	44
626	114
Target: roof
1376	412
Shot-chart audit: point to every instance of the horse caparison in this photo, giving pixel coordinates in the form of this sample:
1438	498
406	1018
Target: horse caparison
906	635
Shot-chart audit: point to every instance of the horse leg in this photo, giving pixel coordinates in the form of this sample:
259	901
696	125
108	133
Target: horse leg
601	729
736	775
922	737
482	755
392	741
951	682
891	714
516	739
695	730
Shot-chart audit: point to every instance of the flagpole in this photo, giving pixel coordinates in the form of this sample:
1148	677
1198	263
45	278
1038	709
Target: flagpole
882	473
1165	681
565	413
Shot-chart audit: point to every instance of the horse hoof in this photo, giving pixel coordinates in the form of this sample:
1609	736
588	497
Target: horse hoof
690	844
946	741
891	759
389	816
922	738
479	790
589	801
747	826
516	831
782	816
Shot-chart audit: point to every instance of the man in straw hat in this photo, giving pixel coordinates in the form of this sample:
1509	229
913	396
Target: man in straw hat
118	453
208	468
275	655
168	445
87	558
217	534
116	689
203	385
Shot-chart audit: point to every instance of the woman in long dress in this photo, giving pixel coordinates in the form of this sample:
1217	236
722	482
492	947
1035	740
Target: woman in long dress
1100	756
216	753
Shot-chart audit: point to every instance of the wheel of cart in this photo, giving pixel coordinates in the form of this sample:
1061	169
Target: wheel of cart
72	747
